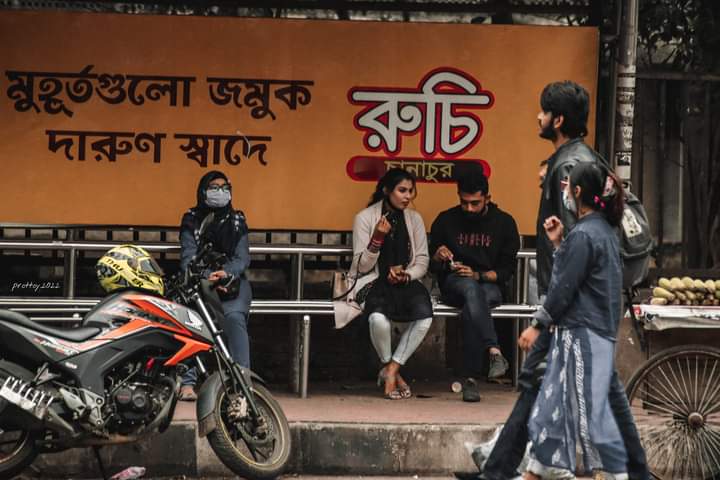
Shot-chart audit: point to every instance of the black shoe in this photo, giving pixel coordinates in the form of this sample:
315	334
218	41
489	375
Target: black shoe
498	366
471	390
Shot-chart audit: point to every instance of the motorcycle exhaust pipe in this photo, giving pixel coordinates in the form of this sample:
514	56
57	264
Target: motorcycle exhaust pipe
34	405
29	399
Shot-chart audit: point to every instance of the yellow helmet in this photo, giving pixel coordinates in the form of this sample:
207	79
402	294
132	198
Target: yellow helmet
128	266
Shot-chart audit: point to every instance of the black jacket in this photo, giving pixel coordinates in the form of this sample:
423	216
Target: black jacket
488	242
558	169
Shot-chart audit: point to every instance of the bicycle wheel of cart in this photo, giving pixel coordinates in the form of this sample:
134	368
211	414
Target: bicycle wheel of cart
675	399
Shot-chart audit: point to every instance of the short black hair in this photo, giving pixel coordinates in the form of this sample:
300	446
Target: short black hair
472	180
570	100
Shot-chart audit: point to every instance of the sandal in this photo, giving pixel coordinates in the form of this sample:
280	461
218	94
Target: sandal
404	388
394	395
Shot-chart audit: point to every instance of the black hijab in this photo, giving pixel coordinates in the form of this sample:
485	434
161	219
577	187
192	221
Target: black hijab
227	227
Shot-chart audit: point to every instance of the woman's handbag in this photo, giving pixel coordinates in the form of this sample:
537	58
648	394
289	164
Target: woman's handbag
342	285
344	282
346	305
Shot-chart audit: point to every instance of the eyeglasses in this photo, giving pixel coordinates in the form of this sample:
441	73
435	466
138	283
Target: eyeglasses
216	188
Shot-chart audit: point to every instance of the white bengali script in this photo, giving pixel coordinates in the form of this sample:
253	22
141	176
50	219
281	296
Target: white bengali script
405	115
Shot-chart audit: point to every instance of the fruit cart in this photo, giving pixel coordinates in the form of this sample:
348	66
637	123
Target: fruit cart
675	394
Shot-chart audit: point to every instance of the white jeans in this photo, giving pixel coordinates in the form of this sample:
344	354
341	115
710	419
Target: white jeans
381	337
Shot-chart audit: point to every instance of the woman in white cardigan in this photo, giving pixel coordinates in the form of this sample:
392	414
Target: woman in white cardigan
390	243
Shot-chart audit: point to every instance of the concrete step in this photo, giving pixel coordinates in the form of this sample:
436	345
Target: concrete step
337	431
318	448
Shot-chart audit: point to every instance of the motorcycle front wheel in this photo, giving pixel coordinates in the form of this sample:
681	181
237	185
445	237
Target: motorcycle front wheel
240	446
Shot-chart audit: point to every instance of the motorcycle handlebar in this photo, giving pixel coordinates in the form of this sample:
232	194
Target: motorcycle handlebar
223	282
204	259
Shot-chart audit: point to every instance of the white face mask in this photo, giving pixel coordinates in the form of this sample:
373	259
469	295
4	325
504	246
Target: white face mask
217	198
568	201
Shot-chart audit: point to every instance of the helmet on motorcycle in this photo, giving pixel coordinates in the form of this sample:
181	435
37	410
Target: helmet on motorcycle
128	266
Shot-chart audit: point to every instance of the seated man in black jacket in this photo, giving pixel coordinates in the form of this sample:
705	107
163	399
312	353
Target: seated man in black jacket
474	247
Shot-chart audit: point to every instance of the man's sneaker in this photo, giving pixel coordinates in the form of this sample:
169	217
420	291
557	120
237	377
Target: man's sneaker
471	391
498	366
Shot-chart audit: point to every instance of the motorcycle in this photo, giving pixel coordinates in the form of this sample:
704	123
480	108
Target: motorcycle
116	379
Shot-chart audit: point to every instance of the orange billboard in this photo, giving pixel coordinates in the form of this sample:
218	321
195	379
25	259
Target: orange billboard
113	119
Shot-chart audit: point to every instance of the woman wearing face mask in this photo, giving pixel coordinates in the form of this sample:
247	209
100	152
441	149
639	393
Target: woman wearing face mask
583	306
228	233
389	242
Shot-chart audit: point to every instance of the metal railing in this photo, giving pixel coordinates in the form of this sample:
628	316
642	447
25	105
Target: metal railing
71	309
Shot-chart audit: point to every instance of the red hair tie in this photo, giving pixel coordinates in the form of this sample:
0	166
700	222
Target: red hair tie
599	202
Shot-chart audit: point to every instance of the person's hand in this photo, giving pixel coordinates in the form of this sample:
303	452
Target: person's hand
397	274
489	276
527	338
215	276
443	254
382	228
464	270
554	230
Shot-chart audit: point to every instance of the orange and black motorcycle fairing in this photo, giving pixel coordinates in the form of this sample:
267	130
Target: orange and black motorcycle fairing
117	329
116	379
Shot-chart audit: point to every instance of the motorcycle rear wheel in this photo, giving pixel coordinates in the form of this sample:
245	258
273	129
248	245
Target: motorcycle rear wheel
17	446
243	452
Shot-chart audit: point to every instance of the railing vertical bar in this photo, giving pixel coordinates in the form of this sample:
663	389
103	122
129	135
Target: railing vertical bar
305	356
296	293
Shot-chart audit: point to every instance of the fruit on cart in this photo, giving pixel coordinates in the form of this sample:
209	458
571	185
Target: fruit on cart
686	291
677	284
660	292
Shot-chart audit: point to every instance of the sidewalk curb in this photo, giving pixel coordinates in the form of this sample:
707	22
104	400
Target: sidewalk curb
318	448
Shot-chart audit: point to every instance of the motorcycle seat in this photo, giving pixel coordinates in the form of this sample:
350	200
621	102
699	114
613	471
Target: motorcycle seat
72	334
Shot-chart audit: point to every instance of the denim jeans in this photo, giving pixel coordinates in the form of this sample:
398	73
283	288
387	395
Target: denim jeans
476	300
510	447
236	339
381	337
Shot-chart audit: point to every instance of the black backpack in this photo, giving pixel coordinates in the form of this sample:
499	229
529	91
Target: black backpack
636	241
